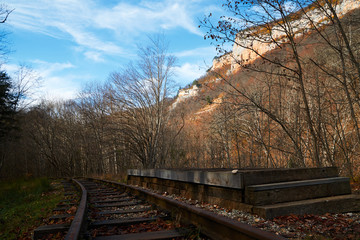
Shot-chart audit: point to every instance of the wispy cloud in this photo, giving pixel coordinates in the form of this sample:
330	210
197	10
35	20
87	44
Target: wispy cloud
59	88
148	16
89	40
47	68
67	19
203	51
9	68
187	73
106	32
95	56
103	28
56	82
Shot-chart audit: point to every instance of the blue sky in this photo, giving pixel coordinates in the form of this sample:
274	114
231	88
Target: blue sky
72	42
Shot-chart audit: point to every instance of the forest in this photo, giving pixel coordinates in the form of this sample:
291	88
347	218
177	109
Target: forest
297	104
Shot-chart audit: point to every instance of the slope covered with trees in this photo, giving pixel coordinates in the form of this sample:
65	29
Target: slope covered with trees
300	99
296	104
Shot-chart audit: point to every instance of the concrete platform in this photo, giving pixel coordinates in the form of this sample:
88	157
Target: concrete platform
296	190
264	176
213	194
335	204
236	178
266	192
222	178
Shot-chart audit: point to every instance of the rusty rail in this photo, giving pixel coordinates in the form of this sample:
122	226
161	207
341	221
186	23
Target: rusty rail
213	225
78	221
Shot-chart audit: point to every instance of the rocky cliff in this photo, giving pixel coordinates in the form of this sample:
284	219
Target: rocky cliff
251	43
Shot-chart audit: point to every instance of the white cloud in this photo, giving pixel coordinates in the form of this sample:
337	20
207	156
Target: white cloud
107	28
190	71
47	68
187	73
203	51
91	25
89	40
95	56
9	68
61	19
59	88
98	31
55	84
147	16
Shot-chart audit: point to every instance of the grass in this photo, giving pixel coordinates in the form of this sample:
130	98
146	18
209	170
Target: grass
23	204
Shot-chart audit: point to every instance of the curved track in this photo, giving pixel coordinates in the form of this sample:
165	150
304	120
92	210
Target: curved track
111	210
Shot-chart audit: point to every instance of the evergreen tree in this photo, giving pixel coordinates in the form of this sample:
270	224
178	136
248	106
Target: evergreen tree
7	105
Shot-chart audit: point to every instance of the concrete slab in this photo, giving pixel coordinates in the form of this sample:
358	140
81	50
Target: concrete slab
292	184
335	204
264	176
236	178
296	190
223	179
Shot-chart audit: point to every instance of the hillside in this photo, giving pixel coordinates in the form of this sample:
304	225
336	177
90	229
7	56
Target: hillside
252	109
232	64
286	96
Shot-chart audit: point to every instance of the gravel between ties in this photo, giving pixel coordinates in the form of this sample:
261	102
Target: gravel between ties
327	226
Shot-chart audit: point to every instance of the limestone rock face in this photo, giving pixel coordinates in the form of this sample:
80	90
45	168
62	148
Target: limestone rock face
191	92
254	42
186	93
221	61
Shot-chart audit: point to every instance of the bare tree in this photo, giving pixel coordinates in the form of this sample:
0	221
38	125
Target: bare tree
140	95
26	82
268	25
4	49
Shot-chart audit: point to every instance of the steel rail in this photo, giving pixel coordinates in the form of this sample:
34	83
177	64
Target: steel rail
212	225
78	221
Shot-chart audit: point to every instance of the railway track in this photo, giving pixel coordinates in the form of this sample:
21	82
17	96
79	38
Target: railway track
110	210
